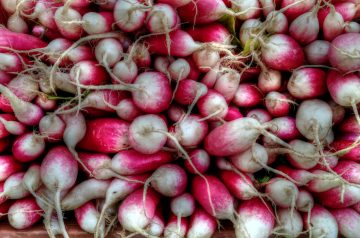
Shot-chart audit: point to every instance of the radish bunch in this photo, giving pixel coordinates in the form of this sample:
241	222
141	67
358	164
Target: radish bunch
161	118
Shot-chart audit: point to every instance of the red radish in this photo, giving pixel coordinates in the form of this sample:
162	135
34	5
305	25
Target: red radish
200	159
301	176
188	132
96	165
25	112
8	166
87	216
246	10
108	52
210	77
305	28
259	114
247	29
147	134
97	22
175	3
212	105
330	162
17	24
349	125
130	162
314	119
9	125
284	128
290	224
176	227
4	209
178	69
349	154
233	114
268	6
256	219
324	181
11	63
322	223
305	201
227	84
182	44
170	180
5	78
88	73
24	213
202	225
28	147
126	71
189	91
281	52
135	214
276	22
68	21
341	53
251	160
4	145
14	187
333	25
317	52
240	186
162	63
129	15
162	18
175	112
247	95
269	80
19	41
356	207
140	54
308	158
282	192
338	112
183	205
157	225
45	103
340	197
98	129
206	59
59	171
32	180
52	127
277	104
295	8
348	221
127	110
214	32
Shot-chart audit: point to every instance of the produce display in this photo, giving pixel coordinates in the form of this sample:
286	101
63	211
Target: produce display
167	118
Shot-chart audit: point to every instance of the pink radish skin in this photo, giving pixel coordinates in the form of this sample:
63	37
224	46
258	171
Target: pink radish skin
4	209
5	78
182	44
349	125
189	91
162	18
10	63
269	80
233	114
299	175
19	41
349	170
52	127
212	105
58	172
175	228
45	103
125	71
302	162
8	166
127	110
189	131
322	222
214	32
9	125
260	115
175	112
332	198
140	55
216	200
28	147
307	83
131	162
314	119
281	52
277	22
227	84
256	219
333	25
32	180
317	52
88	73
348	221
14	187
305	28
84	192
135	214
162	63
86	217
291	224
98	129
332	161
342	52
145	134
324	181
169	180
210	77
128	15
282	192
97	22
157	225
96	165
251	160
175	3
202	225
154	97
183	205
108	52
62	18
200	159
284	128
24	213
296	8
81	53
277	104
241	187
341	144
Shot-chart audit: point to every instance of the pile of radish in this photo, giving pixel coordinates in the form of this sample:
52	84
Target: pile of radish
163	118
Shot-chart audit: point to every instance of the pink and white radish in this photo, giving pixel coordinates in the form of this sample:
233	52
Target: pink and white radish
97	22
277	104
348	221
240	185
129	15
308	157
251	160
202	224
8	166
317	52
260	115
305	28
322	223
28	147
176	227
87	217
212	105
52	127
24	213
200	160
183	205
14	187
290	223
282	192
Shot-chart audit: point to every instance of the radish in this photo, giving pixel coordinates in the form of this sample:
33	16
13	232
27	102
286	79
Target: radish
348	221
10	63
268	6
338	112
129	15
162	18
19	41
202	224
333	25
339	197
8	166
212	105
240	185
205	59
4	208
256	219
352	27
294	8
175	112
260	115
317	52
125	70
100	128
108	52
322	223
214	32
31	180
189	92
97	22
307	83
246	10
276	22
324	181
17	24
140	54
304	201
305	28
68	21
290	224
157	225
301	176
24	213
284	128
87	216
45	103
269	80
52	127
342	52
200	159
281	52
84	192
14	187
130	162
127	110
176	227
282	192
88	73
277	104
96	165
59	172
308	158
183	205
10	126
135	212
349	125
28	147
247	95
251	160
